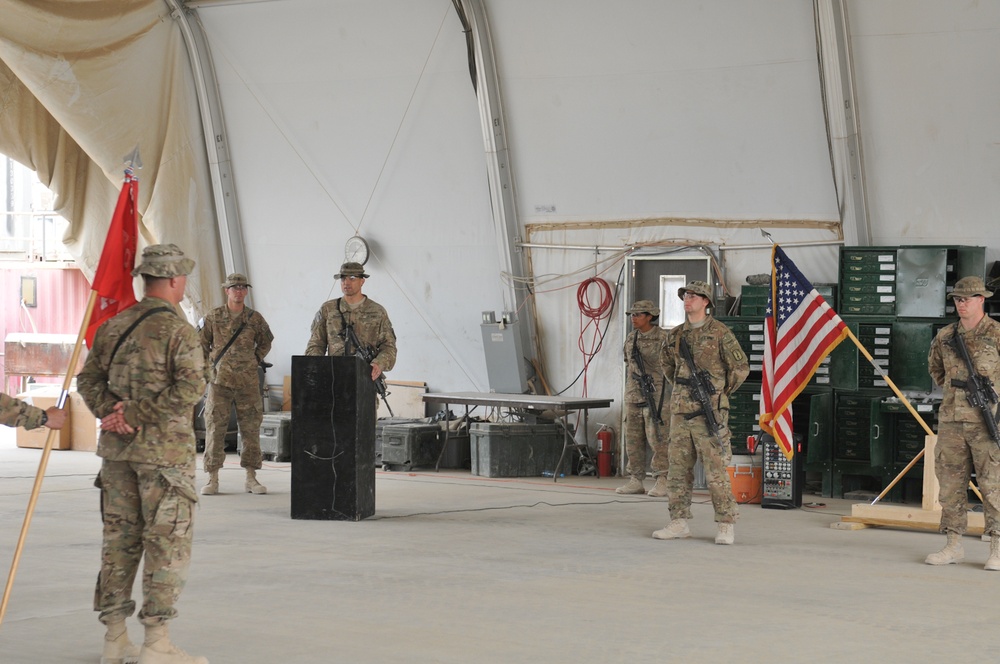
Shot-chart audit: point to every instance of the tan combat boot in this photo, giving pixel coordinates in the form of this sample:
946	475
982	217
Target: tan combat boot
212	487
252	485
993	564
117	648
634	485
951	553
659	489
157	649
727	534
676	529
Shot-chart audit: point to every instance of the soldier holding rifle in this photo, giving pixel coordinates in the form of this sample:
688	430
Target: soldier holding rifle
705	363
965	360
367	320
645	389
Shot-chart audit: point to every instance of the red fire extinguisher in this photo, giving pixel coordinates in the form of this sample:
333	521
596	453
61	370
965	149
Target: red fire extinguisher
605	445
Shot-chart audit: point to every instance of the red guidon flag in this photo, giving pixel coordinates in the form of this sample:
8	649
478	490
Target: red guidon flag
113	280
800	329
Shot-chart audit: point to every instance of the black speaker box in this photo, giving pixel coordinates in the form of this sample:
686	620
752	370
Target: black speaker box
333	439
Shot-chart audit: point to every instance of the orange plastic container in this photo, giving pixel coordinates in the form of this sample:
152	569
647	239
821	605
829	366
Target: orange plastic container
746	483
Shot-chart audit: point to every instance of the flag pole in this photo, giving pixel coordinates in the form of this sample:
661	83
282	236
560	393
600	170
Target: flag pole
49	442
906	402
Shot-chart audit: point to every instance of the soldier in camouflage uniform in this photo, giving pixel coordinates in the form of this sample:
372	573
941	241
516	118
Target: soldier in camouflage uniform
715	350
964	442
369	319
17	413
236	339
640	424
144	374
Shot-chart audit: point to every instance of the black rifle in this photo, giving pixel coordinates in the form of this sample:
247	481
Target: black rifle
979	390
702	389
646	384
367	353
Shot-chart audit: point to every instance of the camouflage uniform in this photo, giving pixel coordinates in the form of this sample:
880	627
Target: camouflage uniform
17	413
640	426
715	350
235	379
963	440
146	478
371	324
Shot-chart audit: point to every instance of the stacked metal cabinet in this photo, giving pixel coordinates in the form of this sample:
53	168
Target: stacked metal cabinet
744	416
894	300
744	403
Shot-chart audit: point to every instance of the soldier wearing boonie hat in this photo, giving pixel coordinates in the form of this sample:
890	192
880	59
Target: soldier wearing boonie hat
716	352
163	261
143	377
369	320
236	279
351	270
698	288
643	425
970	287
964	441
235	339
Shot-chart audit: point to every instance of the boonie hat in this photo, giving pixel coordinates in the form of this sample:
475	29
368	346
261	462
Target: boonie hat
698	288
351	270
164	260
969	286
644	307
236	279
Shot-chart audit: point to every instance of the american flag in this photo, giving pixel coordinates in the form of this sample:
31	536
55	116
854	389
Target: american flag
800	329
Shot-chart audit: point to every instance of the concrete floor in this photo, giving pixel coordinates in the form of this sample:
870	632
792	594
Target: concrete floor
456	568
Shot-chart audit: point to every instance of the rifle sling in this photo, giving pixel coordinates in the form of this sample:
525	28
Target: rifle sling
131	328
233	338
346	330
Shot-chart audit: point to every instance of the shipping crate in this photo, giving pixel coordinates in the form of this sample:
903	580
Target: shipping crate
516	450
380	424
45	398
84	426
405	446
275	437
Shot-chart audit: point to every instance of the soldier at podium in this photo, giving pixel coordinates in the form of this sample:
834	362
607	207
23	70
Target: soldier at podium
368	320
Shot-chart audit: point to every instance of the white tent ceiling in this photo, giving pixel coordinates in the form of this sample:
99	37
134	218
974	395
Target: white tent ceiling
639	121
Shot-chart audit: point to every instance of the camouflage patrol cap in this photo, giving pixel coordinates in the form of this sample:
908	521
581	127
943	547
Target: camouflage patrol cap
969	286
644	307
698	288
236	279
351	270
164	260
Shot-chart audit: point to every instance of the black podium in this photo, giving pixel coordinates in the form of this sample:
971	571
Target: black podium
333	438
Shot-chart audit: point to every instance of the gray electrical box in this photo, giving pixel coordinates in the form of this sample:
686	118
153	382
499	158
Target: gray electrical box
506	366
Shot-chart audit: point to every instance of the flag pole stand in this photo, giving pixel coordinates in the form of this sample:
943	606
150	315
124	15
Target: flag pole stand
44	462
928	516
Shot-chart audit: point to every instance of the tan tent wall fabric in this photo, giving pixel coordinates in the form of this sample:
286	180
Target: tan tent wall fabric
97	80
30	135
